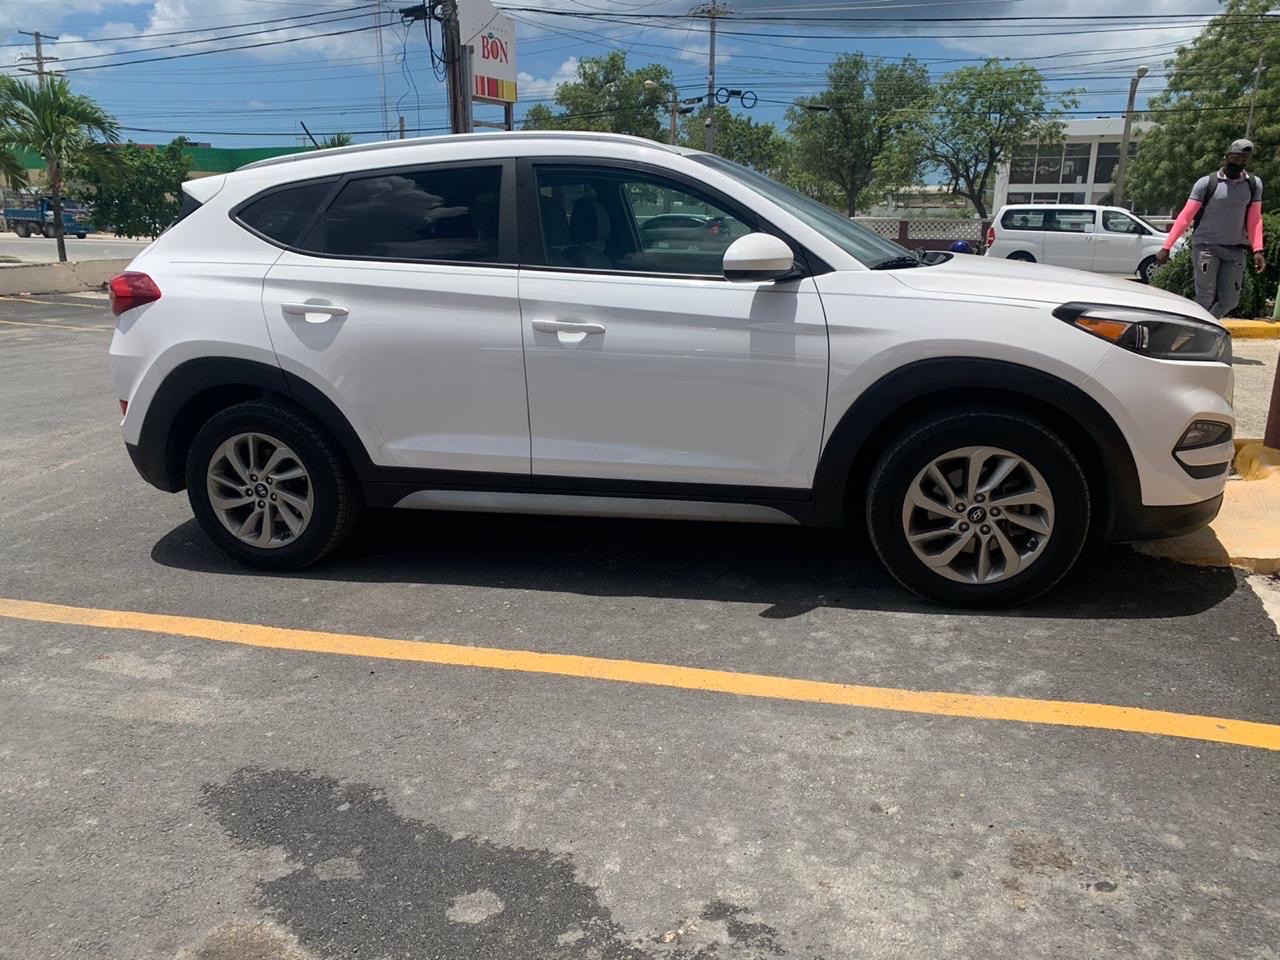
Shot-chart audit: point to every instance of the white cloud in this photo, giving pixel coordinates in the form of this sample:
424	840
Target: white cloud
532	88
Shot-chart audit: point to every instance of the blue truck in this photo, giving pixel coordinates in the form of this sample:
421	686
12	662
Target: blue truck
33	215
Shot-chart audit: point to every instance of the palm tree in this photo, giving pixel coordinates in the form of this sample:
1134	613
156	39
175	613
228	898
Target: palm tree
339	139
55	123
12	169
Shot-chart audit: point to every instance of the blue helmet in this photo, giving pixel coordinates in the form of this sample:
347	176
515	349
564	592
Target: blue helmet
961	246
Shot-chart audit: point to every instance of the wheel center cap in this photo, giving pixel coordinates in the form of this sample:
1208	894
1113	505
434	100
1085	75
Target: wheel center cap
260	490
977	514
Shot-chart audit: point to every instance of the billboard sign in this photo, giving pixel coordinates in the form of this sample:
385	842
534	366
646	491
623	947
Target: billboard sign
492	39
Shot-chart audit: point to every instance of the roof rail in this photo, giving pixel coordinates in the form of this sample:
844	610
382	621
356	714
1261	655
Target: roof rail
456	138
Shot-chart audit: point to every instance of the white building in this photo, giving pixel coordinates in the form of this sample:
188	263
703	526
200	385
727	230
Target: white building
1082	169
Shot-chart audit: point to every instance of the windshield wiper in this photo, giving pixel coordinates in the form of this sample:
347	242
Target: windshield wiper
896	263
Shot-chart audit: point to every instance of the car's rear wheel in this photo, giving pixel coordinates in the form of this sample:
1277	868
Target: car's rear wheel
1022	255
980	507
1147	269
270	487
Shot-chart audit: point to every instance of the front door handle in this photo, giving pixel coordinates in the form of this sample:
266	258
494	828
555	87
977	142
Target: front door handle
567	326
314	312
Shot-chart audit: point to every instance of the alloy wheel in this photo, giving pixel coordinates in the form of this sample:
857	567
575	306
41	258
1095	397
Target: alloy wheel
978	514
260	490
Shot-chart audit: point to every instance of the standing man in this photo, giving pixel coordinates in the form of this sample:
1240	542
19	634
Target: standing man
1225	209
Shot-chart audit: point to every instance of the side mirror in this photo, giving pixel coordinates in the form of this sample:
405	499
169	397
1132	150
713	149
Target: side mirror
757	257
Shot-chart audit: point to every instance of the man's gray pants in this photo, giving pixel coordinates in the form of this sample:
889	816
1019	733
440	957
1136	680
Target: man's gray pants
1219	274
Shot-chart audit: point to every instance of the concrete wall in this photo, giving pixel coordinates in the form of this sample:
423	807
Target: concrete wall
72	277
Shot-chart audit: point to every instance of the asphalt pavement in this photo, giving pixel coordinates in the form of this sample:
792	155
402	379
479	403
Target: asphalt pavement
206	788
42	250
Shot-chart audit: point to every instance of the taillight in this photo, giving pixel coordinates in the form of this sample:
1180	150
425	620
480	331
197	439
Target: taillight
131	289
991	236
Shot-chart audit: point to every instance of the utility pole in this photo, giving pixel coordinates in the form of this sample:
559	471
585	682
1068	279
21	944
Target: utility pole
455	57
1122	167
1253	97
458	77
382	67
40	59
712	11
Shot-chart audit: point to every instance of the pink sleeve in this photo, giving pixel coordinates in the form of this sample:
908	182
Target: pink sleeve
1253	224
1184	220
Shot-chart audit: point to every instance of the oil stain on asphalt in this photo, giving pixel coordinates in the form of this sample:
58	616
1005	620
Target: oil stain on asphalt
369	883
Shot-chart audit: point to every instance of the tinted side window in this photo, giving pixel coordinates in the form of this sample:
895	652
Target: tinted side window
603	219
282	215
1119	223
1023	220
1072	221
444	214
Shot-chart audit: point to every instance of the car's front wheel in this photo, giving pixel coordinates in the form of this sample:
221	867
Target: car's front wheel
1147	269
270	487
980	507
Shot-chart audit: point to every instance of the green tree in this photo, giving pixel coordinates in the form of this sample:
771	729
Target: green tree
339	139
739	138
608	97
12	168
136	191
55	123
838	134
1206	105
970	125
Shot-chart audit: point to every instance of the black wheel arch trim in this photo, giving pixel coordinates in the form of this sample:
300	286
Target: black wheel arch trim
847	453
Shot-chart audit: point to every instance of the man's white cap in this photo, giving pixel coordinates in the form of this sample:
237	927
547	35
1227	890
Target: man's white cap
1241	146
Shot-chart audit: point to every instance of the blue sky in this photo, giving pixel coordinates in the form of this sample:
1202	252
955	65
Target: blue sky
257	97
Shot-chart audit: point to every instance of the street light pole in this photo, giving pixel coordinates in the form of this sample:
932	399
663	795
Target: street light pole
1117	195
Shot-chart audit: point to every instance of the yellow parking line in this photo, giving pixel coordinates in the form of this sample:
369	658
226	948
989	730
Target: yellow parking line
1065	713
60	326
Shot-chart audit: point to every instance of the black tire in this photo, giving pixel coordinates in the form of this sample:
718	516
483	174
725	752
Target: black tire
49	231
1147	269
22	230
337	504
81	236
1021	255
941	433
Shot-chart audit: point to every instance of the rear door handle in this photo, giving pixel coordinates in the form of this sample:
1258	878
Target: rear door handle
314	312
567	326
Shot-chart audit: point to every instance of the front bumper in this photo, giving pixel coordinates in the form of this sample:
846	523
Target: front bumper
1140	522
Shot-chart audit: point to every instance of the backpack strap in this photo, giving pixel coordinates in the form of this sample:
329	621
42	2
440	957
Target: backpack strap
1210	189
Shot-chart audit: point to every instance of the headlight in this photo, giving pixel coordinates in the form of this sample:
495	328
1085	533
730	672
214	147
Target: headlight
1152	333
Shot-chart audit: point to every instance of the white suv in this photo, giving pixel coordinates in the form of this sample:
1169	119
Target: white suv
485	323
1099	239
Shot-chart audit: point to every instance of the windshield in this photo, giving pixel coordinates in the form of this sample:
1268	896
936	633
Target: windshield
856	240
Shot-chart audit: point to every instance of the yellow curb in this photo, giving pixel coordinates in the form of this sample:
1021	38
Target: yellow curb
1253	329
1256	461
1246	532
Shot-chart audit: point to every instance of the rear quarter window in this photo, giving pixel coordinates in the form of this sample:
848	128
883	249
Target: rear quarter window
283	214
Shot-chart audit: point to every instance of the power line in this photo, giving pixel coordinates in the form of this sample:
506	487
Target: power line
228	36
174	33
245	46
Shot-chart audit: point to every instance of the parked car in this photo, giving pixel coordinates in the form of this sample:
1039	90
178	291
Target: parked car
1099	239
474	323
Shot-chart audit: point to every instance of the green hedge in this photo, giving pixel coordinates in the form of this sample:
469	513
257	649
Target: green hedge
1259	288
